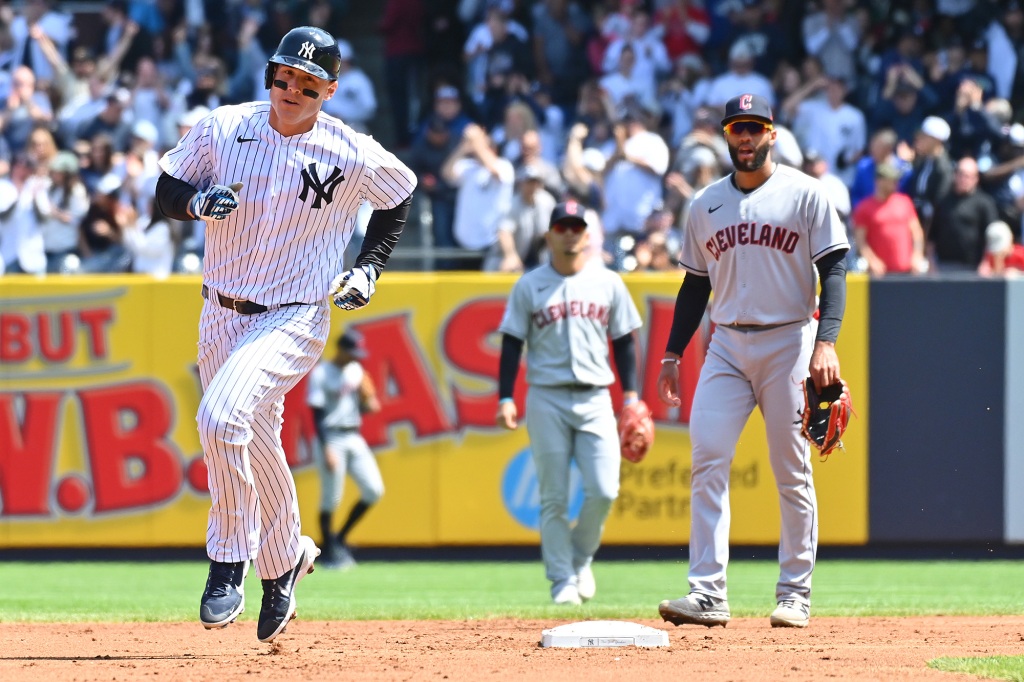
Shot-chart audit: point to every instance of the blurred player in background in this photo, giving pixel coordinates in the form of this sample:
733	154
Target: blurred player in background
565	312
340	392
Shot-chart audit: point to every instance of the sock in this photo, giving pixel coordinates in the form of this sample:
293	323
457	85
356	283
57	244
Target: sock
358	509
325	530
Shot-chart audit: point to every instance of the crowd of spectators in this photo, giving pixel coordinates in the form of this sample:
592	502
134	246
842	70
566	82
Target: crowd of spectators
910	111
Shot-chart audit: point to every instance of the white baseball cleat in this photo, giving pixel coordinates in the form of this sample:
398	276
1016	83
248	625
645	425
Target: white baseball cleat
565	593
585	583
791	614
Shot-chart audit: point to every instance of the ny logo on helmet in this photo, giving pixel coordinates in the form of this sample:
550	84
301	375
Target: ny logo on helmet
306	51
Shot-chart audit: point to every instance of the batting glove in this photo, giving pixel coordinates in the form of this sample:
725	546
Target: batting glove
216	203
353	288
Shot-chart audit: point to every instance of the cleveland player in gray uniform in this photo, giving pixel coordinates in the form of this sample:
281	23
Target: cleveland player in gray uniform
339	392
565	313
761	238
279	184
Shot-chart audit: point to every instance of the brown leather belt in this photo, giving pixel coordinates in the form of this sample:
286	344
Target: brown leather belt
758	327
241	306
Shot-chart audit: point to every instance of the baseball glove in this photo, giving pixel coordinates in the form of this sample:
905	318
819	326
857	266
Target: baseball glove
636	431
825	415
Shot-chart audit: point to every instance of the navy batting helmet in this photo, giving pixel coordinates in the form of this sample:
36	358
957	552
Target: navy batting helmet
310	49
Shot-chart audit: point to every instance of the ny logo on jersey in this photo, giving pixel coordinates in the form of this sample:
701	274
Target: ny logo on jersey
306	51
323	190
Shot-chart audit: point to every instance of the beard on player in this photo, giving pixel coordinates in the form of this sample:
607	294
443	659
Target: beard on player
759	159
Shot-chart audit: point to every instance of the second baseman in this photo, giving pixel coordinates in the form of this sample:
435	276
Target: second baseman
565	312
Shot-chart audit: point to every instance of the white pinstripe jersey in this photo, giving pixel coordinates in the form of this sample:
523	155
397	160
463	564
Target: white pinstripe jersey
298	207
759	248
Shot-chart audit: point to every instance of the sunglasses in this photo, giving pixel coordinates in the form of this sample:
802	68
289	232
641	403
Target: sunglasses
575	228
746	127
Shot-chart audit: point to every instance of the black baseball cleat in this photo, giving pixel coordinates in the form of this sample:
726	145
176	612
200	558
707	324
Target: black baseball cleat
279	593
224	596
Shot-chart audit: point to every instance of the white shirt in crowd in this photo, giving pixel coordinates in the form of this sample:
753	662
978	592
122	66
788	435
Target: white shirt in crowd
354	102
832	132
632	193
61	235
151	247
482	201
21	240
724	87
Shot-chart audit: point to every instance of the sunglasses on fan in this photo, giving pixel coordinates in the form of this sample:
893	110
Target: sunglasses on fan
746	127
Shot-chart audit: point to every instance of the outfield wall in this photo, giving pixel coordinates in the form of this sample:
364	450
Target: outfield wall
98	393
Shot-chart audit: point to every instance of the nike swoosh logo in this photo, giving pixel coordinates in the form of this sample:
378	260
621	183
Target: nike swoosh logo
543	289
712	210
247	139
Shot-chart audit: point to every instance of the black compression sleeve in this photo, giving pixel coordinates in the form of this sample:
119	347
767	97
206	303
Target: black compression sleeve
172	197
691	303
832	302
508	366
382	232
624	349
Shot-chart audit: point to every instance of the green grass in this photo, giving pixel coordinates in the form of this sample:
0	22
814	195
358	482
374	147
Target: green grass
169	592
994	667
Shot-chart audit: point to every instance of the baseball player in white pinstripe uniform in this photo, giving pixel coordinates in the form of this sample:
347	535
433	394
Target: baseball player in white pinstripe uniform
565	312
339	392
761	238
279	184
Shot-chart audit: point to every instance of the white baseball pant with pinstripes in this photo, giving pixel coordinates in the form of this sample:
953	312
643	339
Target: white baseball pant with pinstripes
247	363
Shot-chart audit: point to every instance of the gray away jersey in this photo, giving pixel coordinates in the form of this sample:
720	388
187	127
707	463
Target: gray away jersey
759	249
298	207
566	323
336	390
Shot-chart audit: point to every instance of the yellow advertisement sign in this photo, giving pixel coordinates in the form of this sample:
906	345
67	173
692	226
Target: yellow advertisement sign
98	445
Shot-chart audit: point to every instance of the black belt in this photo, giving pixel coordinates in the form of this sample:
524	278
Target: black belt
758	327
241	306
578	387
342	429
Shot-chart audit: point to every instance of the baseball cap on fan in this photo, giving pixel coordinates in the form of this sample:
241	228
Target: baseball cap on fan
933	126
748	106
998	237
569	212
352	342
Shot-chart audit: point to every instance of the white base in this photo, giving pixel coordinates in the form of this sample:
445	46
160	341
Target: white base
603	633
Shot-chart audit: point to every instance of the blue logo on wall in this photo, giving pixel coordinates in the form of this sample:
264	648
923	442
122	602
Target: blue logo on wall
521	495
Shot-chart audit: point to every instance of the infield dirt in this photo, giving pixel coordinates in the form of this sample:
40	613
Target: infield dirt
830	649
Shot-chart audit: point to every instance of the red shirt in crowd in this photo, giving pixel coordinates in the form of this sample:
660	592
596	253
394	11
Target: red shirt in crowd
1014	259
887	229
677	39
402	26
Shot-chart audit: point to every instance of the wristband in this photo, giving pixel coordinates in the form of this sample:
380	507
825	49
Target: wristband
505	400
630	401
674	361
